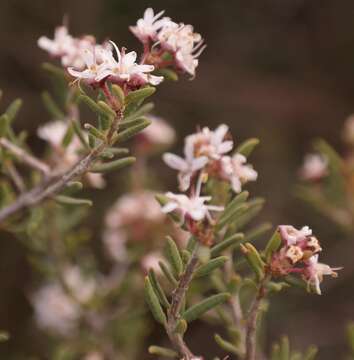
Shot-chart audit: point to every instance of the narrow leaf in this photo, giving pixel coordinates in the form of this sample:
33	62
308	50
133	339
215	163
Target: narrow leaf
51	106
213	264
113	165
199	309
161	351
174	257
153	303
67	200
247	147
228	242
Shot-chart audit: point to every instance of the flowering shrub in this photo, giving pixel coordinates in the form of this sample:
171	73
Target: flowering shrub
191	253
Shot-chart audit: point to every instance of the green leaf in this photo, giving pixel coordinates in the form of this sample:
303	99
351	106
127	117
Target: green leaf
213	264
158	289
203	254
311	353
168	74
154	303
92	104
118	93
254	207
254	259
195	311
143	110
139	95
258	231
277	287
181	327
234	203
4	124
51	106
13	109
246	148
272	245
125	124
132	131
226	345
228	242
236	213
4	336
166	271
74	186
95	132
67	200
174	257
113	165
109	112
161	351
284	348
78	131
68	136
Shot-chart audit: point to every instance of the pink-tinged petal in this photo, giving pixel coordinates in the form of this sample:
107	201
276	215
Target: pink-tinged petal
155	80
199	163
129	58
149	14
175	162
45	44
220	132
197	214
236	184
171	206
144	68
225	147
184	181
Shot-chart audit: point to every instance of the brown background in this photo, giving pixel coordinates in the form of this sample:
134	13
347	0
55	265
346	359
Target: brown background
280	70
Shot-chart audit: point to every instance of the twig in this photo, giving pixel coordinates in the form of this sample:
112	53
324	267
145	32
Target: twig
55	183
15	176
251	326
173	315
25	156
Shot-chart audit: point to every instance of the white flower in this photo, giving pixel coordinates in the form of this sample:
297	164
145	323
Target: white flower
62	44
292	236
134	208
159	132
187	167
114	241
193	206
56	311
315	167
53	132
125	69
184	43
210	143
93	71
147	28
237	171
81	287
315	271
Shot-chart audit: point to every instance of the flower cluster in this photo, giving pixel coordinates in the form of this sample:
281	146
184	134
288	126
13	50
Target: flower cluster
299	255
205	151
168	43
70	49
63	157
57	309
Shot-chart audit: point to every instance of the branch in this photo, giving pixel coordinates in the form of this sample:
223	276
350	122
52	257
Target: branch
55	183
251	325
25	157
173	315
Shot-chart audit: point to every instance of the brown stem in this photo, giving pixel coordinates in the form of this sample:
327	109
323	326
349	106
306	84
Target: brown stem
178	296
251	326
55	183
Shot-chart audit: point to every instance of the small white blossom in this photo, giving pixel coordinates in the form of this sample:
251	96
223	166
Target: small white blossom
315	167
147	28
348	130
187	167
210	143
159	132
94	356
237	171
315	271
292	236
114	241
56	311
81	287
193	206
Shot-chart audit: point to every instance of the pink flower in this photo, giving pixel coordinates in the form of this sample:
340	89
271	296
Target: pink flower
292	236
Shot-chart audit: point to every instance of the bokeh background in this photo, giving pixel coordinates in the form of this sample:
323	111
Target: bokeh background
279	70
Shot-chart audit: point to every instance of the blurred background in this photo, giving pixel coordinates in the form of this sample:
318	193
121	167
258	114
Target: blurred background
279	70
